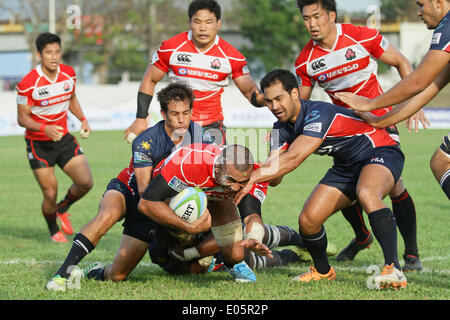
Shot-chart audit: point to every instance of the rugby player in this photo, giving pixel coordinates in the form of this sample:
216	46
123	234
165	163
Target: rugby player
343	58
123	192
367	164
205	62
421	86
44	97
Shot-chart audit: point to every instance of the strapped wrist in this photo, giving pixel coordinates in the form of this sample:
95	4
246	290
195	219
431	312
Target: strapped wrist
143	102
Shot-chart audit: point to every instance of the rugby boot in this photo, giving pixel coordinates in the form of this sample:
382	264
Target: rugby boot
412	263
350	251
59	237
241	272
66	225
57	283
93	270
313	275
391	277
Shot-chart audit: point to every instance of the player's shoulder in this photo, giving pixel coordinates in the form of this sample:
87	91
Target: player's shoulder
67	70
359	33
28	81
304	53
230	50
174	42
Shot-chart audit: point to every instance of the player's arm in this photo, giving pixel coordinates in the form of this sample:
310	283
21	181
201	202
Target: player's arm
75	109
273	155
305	92
300	149
250	90
25	120
153	205
414	83
143	178
145	95
411	106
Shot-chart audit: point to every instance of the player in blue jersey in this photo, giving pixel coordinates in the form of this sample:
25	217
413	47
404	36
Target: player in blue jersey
123	193
422	85
367	164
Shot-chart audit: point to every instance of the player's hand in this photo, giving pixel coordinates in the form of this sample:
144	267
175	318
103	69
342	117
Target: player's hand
200	225
368	117
413	121
85	131
241	194
355	102
54	132
177	252
260	98
138	125
257	247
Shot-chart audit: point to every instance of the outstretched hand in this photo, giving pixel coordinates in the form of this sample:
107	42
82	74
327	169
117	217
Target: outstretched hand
355	102
257	247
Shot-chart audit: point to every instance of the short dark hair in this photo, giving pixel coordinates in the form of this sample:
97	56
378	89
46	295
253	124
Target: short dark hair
329	5
237	155
46	38
285	77
176	91
210	5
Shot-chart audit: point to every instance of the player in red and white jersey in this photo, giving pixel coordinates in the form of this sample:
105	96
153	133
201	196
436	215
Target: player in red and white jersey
44	97
220	171
205	62
343	58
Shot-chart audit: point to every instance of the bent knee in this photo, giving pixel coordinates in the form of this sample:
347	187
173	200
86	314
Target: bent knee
308	224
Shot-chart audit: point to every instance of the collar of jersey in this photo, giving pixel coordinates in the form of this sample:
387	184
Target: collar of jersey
216	42
42	74
338	34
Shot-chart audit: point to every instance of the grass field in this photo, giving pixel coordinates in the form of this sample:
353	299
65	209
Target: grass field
28	258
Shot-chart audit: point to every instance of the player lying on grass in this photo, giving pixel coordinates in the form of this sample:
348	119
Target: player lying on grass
422	85
367	164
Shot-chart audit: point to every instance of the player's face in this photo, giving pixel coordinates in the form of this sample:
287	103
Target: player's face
50	57
318	21
427	11
204	26
231	179
284	105
177	118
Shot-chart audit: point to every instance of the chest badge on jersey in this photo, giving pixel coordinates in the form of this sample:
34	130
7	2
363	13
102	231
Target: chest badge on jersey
350	55
215	64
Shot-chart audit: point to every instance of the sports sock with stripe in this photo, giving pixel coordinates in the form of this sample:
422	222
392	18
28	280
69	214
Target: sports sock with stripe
80	248
384	228
317	248
64	204
445	183
354	215
275	236
405	215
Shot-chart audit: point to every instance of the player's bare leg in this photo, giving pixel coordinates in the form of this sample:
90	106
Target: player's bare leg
440	165
79	171
375	183
49	186
320	205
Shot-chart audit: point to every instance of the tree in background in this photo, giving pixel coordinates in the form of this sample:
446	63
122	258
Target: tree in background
274	29
393	9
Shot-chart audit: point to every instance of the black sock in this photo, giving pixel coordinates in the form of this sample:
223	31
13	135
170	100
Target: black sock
51	223
353	214
317	248
80	248
405	215
384	228
445	183
275	236
64	204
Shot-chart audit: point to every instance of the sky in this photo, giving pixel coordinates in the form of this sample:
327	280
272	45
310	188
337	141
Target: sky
355	5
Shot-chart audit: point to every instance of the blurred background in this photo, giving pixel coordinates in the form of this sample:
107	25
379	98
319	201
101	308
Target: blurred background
110	42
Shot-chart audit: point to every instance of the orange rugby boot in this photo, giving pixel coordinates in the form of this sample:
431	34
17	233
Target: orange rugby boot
313	275
66	225
59	237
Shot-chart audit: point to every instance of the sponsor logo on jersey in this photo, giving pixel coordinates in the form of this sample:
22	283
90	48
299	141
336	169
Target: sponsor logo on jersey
198	73
318	65
182	71
184	58
44	103
43	92
384	43
436	38
140	157
176	184
66	87
155	57
312	116
378	160
21	99
350	54
338	72
259	194
314	127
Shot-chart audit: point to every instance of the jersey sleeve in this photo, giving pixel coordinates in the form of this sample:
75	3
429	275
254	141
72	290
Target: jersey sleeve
161	57
237	61
372	40
303	79
441	37
142	149
24	92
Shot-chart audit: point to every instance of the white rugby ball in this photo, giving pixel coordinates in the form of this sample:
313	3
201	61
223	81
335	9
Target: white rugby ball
189	204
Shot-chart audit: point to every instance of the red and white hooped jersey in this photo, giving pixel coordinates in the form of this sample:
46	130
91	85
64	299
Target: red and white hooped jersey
49	99
350	66
207	72
193	166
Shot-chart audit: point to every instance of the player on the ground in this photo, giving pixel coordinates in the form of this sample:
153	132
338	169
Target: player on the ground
367	164
343	58
205	62
432	74
123	192
44	97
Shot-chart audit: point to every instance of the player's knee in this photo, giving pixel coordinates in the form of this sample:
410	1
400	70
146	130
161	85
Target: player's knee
50	193
365	195
117	276
307	223
85	185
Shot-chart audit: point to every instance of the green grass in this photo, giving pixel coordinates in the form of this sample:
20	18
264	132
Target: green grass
28	258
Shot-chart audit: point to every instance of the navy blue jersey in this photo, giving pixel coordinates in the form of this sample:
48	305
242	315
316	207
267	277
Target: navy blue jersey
346	137
152	146
441	35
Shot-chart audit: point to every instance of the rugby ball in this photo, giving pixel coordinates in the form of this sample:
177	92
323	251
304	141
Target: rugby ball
189	204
